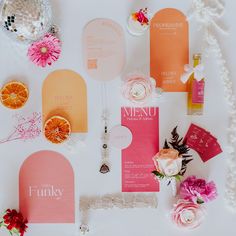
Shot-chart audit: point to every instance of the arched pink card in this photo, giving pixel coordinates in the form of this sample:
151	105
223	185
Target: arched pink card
64	93
46	188
104	49
169	49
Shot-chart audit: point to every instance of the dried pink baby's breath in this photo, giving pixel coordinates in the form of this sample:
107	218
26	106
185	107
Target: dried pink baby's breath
26	128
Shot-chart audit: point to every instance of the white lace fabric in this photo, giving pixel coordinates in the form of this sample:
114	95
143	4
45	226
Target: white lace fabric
207	14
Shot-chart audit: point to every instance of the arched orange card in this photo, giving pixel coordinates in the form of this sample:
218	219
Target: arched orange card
104	49
46	188
64	93
169	49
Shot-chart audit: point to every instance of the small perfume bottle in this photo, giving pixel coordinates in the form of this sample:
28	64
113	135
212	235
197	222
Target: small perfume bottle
195	90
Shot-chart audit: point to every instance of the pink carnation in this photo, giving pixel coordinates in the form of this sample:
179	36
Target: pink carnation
186	214
45	51
198	190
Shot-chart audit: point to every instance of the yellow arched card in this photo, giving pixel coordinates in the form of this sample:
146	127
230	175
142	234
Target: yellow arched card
64	94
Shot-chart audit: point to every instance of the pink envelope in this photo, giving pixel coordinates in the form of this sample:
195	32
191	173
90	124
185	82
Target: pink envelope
46	188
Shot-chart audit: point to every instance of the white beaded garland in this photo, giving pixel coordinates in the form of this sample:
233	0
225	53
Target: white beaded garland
109	201
206	15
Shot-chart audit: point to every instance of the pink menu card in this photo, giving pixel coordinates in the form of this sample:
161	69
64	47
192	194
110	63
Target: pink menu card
137	163
46	188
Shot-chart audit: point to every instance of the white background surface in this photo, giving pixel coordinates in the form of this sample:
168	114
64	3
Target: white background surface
71	16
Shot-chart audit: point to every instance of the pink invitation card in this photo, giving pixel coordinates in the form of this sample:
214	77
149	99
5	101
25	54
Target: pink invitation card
137	163
46	188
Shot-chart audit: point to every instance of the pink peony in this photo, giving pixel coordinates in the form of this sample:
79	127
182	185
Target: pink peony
197	190
45	51
186	214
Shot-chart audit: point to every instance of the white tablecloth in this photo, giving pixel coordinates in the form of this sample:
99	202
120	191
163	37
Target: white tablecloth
71	16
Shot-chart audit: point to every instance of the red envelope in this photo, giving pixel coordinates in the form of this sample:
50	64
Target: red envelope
203	142
212	151
196	137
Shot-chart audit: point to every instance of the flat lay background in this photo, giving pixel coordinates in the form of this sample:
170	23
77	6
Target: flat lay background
71	16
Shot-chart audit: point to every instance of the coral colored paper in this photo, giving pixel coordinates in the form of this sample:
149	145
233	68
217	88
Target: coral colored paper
64	93
104	49
137	163
169	49
46	188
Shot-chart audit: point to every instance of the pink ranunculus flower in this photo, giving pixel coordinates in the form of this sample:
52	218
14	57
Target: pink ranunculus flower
138	88
187	214
198	190
45	51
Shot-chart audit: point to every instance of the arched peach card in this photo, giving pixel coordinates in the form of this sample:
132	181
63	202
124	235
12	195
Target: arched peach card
46	188
64	93
169	49
104	49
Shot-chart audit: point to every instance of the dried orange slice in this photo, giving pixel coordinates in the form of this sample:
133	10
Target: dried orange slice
14	95
57	129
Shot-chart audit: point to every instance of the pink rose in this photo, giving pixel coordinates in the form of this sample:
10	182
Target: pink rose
138	88
198	190
186	214
168	162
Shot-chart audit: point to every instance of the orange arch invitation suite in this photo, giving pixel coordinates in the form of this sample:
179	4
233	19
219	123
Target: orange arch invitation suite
137	163
169	49
104	49
64	93
46	188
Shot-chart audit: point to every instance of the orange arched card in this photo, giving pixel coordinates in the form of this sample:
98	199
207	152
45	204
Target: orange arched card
169	49
64	94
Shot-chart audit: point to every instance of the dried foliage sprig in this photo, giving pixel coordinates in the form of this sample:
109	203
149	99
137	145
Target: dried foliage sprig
26	128
181	146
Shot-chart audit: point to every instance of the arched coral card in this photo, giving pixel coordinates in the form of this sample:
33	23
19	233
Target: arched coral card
64	93
169	49
46	188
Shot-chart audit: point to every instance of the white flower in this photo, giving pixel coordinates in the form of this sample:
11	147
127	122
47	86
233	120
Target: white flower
168	162
170	167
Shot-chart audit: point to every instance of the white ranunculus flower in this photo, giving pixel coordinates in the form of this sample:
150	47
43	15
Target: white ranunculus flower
170	167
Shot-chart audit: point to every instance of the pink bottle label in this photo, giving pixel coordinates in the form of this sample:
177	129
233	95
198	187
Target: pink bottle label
198	91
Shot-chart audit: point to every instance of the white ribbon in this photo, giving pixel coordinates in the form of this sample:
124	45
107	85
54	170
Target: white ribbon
174	187
189	70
